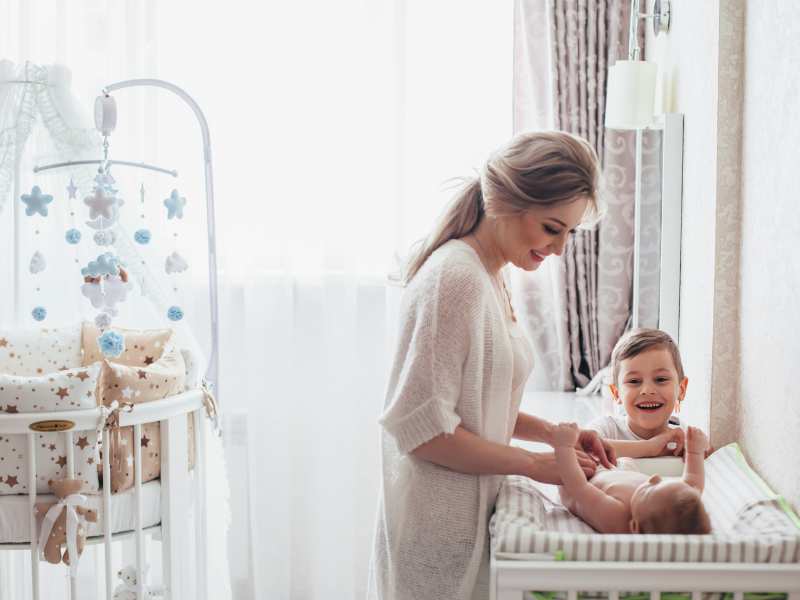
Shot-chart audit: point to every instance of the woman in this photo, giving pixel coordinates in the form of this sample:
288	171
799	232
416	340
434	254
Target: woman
452	404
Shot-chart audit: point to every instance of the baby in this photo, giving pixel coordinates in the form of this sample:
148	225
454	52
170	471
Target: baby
649	382
625	501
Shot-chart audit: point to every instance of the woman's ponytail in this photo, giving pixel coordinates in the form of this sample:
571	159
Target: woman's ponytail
462	216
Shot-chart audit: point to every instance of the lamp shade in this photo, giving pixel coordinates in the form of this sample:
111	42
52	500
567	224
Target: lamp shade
631	93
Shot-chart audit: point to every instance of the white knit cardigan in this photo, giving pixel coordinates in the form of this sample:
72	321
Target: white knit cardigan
453	365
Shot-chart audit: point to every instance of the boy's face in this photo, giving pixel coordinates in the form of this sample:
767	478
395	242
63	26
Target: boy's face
649	389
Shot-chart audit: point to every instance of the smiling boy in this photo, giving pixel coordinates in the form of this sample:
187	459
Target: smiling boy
649	383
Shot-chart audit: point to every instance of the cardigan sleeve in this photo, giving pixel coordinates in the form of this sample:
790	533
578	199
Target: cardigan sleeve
425	388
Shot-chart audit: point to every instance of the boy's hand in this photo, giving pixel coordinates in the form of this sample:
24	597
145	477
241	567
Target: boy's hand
669	443
696	441
566	434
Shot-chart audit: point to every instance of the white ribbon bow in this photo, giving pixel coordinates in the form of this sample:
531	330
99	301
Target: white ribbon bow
73	520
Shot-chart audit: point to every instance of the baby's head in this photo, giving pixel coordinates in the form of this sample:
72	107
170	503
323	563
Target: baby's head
648	379
668	506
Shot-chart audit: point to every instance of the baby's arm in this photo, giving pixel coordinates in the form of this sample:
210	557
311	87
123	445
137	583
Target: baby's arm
655	446
694	469
603	512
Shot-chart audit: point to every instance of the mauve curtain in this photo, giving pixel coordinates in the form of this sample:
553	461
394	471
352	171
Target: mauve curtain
577	307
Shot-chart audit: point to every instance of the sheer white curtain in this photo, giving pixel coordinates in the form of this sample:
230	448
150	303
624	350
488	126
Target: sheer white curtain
334	126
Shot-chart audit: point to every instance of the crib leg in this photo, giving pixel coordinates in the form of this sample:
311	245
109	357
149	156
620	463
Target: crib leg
174	502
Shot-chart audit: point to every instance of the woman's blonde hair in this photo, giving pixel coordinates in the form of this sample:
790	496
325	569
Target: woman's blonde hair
534	169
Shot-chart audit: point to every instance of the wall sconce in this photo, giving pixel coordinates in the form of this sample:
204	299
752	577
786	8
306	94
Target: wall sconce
630	105
631	91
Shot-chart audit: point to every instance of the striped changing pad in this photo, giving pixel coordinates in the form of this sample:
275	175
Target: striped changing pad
749	523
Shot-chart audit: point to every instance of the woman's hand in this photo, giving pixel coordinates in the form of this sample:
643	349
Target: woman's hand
543	466
590	442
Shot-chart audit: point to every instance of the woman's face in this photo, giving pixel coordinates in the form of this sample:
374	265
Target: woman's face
527	239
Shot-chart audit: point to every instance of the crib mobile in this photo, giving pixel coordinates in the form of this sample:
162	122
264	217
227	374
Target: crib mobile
107	279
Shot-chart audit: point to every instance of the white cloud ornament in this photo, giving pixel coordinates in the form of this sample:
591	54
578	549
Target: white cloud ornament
38	263
175	263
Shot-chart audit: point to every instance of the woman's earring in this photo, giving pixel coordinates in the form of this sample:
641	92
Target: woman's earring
678	407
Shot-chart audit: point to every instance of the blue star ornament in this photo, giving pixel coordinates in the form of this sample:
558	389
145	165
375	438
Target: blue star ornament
175	204
36	202
72	189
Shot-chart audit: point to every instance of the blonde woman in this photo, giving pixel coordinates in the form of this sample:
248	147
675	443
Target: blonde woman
452	404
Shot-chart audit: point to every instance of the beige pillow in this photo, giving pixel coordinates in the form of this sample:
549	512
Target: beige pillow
62	392
40	350
142	347
138	384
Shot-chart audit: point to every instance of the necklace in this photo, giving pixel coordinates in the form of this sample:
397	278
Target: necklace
496	278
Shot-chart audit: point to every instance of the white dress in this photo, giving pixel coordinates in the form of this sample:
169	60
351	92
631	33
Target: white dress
457	363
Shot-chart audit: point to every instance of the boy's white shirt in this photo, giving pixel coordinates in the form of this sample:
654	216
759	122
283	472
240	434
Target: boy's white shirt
615	427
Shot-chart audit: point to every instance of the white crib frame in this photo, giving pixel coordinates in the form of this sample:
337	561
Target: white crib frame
175	488
511	579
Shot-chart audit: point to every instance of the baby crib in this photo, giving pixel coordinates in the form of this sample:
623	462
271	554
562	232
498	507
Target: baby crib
159	512
178	487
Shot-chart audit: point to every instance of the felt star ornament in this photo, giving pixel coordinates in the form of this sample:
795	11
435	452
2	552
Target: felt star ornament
175	204
36	202
100	205
72	189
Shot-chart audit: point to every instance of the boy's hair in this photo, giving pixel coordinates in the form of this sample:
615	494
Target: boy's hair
686	516
636	341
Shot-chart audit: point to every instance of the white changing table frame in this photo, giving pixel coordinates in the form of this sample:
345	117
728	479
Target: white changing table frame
511	579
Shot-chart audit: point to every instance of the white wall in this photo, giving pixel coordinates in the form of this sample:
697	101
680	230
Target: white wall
730	67
687	72
770	256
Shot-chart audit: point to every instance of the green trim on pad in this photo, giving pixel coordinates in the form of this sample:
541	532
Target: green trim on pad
664	595
787	508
